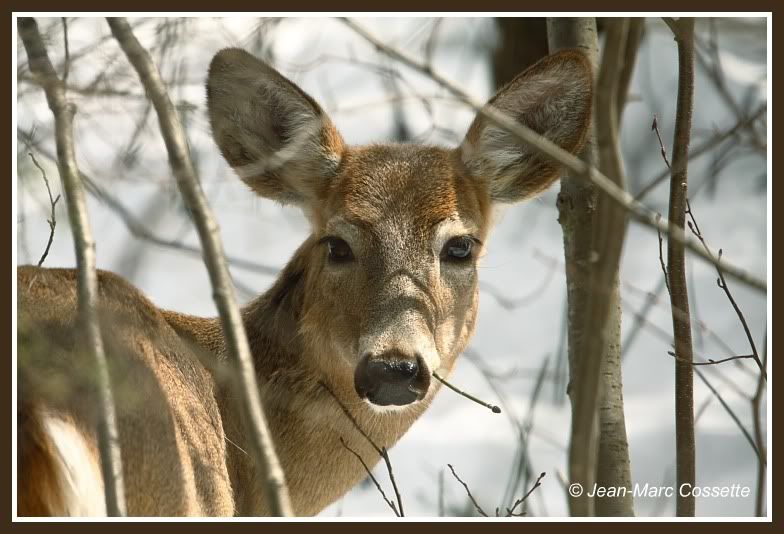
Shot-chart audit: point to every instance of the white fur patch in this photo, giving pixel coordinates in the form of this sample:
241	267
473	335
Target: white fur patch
81	483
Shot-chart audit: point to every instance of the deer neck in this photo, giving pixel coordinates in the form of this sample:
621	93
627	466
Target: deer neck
310	428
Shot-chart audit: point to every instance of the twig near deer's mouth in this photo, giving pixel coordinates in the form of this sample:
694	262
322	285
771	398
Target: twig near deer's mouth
492	407
382	451
370	474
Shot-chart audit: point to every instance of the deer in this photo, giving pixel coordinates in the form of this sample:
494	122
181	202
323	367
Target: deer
380	296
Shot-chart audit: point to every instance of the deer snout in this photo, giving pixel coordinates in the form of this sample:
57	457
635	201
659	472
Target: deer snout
391	378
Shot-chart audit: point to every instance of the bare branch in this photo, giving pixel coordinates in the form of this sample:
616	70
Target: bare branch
382	451
510	512
87	283
370	474
722	283
555	153
468	492
271	480
53	203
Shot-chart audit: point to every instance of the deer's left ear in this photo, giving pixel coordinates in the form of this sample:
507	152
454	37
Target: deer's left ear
552	97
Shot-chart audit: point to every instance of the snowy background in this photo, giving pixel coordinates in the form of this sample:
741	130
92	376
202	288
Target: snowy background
120	149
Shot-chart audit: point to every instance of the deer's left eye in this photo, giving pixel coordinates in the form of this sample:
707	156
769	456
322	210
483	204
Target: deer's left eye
458	249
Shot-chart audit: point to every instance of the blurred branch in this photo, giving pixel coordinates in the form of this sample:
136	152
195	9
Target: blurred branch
67	60
137	228
633	39
87	283
570	162
271	480
705	147
511	303
53	202
732	415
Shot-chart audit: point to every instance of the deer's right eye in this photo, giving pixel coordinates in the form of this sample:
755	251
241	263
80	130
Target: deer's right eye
338	251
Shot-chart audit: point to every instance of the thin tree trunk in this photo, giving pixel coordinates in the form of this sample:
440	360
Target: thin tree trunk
612	469
87	283
271	480
676	270
592	241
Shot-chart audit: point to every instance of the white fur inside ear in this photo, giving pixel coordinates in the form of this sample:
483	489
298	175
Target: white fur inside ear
305	141
551	102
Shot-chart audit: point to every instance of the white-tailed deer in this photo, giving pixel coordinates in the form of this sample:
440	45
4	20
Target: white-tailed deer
381	295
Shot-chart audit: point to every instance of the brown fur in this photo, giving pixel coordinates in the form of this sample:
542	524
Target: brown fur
183	443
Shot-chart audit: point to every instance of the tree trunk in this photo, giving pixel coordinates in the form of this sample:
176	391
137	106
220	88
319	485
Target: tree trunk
599	450
521	43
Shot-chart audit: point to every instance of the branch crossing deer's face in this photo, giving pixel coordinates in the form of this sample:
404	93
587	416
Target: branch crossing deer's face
391	280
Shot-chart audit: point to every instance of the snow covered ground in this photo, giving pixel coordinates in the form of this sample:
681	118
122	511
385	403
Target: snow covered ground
324	57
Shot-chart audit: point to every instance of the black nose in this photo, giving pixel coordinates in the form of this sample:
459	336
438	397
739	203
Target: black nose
391	378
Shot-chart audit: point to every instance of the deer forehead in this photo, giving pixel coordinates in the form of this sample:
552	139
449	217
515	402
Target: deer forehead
406	188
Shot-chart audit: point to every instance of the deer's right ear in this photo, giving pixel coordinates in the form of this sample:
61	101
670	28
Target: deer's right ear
275	136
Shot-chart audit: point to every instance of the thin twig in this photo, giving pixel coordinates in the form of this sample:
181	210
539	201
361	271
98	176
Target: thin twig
722	283
468	491
661	260
712	361
492	407
510	511
53	202
87	282
272	479
382	451
655	128
367	470
555	153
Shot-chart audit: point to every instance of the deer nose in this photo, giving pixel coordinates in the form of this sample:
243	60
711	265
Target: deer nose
391	378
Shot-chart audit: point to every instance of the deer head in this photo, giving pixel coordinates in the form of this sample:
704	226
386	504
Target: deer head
397	229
